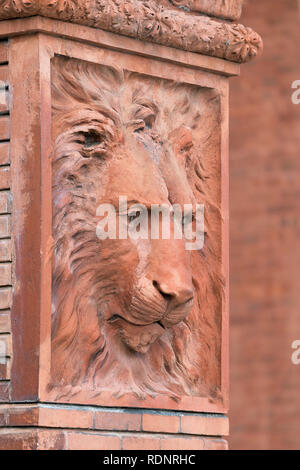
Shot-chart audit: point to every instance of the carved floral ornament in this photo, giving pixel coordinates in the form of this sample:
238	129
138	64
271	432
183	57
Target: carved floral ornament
161	22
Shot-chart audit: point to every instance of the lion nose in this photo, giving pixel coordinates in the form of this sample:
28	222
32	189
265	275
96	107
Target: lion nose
178	293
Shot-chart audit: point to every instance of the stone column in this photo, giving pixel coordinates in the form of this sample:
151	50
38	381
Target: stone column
115	342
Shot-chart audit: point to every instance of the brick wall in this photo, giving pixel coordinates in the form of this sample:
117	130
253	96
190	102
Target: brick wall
5	227
265	235
92	428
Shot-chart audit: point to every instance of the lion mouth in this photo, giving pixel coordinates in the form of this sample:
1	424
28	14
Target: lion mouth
116	317
138	338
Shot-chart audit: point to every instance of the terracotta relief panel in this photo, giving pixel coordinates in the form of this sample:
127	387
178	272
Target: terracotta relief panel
135	314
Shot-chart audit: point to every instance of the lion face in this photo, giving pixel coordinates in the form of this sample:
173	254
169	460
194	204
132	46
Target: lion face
122	308
154	288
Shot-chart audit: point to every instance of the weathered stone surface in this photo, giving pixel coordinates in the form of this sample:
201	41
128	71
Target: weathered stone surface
140	139
3	52
150	21
76	432
230	9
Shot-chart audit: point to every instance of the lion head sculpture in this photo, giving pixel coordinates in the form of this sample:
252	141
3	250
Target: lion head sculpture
131	316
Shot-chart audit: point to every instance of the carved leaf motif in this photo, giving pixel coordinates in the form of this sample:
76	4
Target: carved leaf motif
62	5
16	6
148	20
230	9
244	43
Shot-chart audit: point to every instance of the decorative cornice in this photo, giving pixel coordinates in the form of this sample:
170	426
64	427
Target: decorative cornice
148	21
228	9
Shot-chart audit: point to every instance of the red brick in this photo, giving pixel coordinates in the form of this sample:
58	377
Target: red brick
37	439
4	153
182	443
204	425
5	200
4	94
92	441
16	440
215	444
5	249
5	177
5	326
4	391
3	418
4	127
5	226
3	75
5	297
65	418
6	344
4	99
140	442
160	423
117	421
4	369
23	416
3	52
5	274
51	440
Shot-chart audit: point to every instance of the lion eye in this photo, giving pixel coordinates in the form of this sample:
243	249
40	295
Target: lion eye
186	146
138	125
133	216
149	121
92	139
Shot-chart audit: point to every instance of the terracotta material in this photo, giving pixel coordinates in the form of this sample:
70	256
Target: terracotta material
130	316
122	419
5	248
4	391
4	153
4	95
25	158
112	41
3	52
4	322
151	21
5	228
4	128
91	428
230	9
211	393
61	440
5	178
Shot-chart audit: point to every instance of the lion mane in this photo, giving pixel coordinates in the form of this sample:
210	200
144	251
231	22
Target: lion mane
86	351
